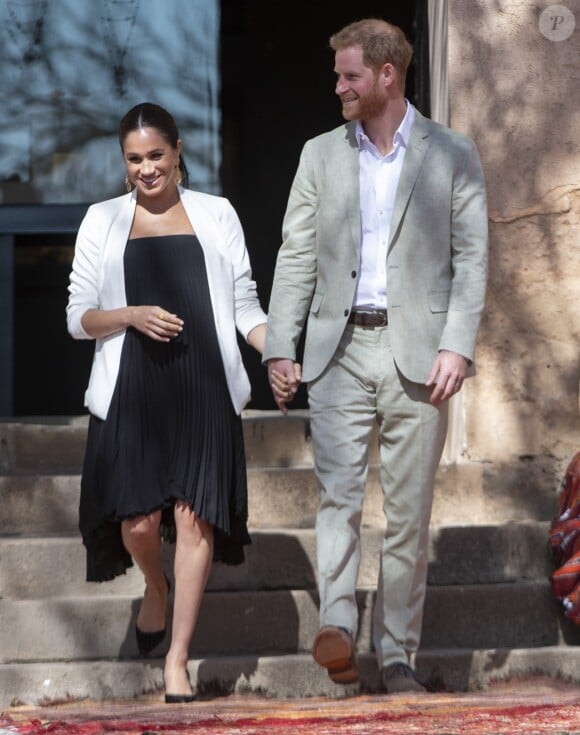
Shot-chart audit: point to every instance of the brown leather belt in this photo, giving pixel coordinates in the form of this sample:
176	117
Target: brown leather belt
374	318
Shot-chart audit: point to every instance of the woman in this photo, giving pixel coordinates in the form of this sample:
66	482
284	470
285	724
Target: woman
161	279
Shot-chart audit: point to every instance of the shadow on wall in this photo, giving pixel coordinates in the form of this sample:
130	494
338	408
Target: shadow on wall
514	92
262	608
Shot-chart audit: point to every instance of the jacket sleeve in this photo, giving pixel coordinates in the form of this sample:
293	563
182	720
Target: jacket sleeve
248	312
83	286
468	255
295	275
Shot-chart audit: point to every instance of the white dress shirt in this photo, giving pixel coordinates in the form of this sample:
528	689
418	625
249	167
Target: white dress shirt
378	179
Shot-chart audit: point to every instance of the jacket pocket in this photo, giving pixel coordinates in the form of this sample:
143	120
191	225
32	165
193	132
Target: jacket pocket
439	301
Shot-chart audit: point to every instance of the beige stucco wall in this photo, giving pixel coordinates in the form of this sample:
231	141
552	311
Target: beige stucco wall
518	95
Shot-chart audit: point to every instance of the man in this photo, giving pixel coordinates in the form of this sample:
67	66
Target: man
384	257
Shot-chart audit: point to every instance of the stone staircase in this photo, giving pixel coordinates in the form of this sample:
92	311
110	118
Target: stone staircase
489	612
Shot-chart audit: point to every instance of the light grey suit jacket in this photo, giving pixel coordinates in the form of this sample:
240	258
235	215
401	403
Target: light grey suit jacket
436	261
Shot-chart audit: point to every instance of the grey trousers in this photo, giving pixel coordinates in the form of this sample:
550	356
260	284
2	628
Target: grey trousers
359	387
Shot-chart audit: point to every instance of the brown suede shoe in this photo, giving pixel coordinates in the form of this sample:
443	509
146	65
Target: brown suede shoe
334	650
400	677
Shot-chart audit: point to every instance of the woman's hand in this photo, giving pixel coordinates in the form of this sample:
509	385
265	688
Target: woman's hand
155	322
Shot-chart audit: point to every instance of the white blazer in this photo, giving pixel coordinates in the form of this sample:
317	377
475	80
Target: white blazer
97	281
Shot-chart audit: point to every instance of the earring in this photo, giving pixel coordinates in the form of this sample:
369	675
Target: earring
128	184
178	176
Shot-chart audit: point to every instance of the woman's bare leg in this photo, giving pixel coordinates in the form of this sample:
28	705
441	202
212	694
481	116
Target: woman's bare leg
142	541
193	558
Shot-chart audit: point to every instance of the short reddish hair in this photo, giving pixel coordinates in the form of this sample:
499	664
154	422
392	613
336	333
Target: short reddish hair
381	43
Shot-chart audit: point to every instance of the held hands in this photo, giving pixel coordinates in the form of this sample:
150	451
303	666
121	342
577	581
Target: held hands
447	375
284	376
155	322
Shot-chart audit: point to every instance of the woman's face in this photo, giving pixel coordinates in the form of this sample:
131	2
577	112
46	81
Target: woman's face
151	162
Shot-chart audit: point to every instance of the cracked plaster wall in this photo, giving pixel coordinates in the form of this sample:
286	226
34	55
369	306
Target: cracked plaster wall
517	94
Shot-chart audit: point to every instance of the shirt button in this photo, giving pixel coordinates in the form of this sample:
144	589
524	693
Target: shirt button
346	312
353	274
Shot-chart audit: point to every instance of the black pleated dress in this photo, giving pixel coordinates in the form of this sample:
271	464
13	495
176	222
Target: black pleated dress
171	432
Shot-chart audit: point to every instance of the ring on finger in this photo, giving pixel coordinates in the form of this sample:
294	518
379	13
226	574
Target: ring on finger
162	316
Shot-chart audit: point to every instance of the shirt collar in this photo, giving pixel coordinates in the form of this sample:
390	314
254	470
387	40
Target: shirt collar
401	136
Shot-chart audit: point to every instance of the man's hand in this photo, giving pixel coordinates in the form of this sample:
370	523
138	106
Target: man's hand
447	375
284	377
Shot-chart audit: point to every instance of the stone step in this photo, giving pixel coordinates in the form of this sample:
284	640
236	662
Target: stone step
56	445
285	676
466	492
489	610
42	444
35	568
280	498
519	615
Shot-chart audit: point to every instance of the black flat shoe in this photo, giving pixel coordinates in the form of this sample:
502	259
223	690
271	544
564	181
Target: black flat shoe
179	698
146	642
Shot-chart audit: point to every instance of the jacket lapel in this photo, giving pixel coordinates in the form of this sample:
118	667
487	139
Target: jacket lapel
210	238
348	179
204	227
111	268
414	157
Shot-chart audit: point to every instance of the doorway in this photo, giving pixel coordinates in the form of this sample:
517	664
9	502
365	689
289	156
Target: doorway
277	83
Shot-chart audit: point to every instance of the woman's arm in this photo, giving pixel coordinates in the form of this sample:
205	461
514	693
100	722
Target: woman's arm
257	337
152	321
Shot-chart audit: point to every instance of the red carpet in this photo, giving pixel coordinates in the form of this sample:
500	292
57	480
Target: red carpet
512	713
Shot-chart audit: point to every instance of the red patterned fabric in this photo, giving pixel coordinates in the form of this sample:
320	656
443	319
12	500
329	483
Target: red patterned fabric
565	579
564	543
572	605
458	714
570	495
565	539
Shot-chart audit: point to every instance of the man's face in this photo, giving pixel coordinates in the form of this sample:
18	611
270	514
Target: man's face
361	95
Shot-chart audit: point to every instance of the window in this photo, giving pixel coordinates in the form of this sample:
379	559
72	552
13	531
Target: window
69	70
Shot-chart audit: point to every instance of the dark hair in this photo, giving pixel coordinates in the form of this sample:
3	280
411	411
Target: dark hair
149	115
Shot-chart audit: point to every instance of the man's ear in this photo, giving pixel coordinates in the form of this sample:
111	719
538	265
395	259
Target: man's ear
389	75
